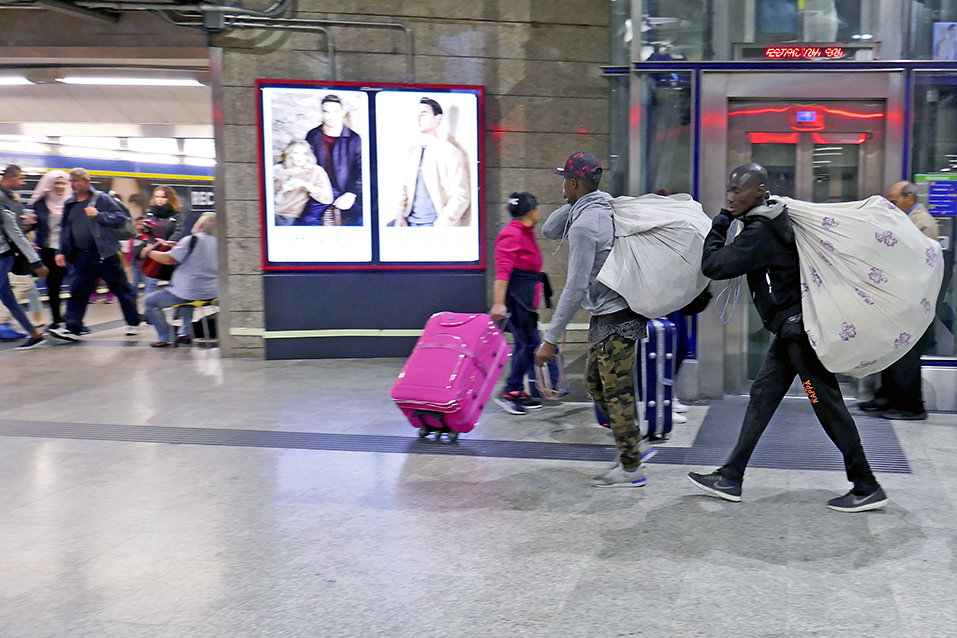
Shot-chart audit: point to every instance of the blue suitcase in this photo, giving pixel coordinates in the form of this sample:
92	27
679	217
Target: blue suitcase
657	375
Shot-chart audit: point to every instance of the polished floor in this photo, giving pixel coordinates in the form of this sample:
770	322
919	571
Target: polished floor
171	494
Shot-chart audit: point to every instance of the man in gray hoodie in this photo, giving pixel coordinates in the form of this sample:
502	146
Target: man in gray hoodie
587	222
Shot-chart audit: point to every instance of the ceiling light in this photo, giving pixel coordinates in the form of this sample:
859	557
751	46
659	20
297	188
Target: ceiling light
93	153
13	80
111	143
164	145
147	158
200	148
132	81
24	147
199	161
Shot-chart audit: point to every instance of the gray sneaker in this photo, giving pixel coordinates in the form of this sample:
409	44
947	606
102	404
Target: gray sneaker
618	476
645	449
717	485
852	502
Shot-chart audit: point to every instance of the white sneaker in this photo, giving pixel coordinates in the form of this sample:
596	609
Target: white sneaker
678	419
132	331
64	334
678	406
620	477
645	449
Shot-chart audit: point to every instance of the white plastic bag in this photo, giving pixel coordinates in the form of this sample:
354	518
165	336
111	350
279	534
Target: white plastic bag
655	263
869	282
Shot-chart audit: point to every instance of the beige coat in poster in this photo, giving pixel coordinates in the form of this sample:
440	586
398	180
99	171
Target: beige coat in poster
446	172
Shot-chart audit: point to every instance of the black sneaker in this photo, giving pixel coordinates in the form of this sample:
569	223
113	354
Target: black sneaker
903	415
30	343
717	485
530	403
874	405
852	502
511	402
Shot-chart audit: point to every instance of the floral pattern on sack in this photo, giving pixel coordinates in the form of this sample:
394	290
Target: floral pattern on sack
827	245
925	305
848	331
931	257
864	364
877	276
811	338
805	289
902	340
816	278
887	238
829	223
863	295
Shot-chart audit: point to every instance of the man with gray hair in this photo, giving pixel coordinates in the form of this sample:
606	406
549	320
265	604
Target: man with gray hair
195	278
900	396
88	243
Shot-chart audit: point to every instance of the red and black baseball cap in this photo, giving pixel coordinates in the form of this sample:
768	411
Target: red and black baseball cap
582	166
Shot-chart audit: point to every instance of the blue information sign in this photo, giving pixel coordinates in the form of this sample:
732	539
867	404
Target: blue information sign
941	193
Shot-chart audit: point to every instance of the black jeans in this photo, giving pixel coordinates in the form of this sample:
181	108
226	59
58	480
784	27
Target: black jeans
86	270
54	280
787	358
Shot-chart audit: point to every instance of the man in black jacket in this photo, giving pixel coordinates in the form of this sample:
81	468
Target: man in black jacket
338	150
765	251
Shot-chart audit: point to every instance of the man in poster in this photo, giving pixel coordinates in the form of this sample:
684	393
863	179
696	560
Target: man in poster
436	190
338	150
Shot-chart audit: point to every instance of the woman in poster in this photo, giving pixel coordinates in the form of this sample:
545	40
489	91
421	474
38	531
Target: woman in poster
303	192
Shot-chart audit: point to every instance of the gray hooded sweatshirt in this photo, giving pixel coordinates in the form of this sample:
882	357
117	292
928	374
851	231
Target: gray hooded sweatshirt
589	226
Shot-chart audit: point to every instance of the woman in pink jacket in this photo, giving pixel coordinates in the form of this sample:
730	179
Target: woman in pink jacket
516	293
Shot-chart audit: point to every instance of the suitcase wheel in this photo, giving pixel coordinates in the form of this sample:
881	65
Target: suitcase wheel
424	431
453	435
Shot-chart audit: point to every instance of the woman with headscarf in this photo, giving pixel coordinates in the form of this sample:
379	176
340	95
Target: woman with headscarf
47	202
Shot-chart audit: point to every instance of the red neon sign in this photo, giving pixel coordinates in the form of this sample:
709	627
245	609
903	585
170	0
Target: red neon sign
805	53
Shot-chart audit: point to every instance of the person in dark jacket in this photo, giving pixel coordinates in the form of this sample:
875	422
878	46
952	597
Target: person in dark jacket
88	243
52	192
163	222
766	252
338	150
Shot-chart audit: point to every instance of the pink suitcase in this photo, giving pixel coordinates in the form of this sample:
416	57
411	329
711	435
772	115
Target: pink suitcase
450	374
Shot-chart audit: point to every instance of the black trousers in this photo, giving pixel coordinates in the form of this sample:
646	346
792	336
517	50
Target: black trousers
901	383
54	281
86	270
787	358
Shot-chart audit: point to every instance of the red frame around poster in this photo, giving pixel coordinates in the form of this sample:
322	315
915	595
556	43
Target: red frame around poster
268	267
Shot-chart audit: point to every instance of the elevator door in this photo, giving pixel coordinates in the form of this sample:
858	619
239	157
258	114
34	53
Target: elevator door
818	151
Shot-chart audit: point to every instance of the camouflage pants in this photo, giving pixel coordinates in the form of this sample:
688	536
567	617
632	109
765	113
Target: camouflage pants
609	379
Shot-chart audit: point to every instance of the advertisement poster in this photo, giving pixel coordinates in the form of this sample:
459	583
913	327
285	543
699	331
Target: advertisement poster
316	165
427	160
945	41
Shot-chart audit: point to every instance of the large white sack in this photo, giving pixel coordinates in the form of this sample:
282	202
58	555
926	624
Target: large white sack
869	282
655	263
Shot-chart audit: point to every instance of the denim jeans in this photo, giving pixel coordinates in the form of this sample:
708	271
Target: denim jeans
155	303
8	298
150	285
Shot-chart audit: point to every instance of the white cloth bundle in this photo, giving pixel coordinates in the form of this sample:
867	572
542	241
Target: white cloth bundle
655	263
869	282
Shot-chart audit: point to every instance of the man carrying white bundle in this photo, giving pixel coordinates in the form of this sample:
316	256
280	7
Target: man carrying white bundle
766	252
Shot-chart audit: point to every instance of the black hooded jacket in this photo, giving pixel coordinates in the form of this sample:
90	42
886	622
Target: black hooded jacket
764	251
162	222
